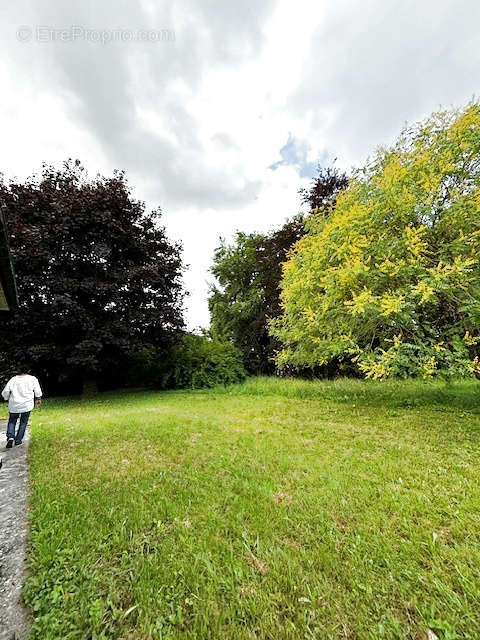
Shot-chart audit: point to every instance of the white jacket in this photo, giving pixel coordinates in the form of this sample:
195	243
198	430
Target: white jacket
21	391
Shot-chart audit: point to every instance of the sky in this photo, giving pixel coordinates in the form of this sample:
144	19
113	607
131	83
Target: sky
218	111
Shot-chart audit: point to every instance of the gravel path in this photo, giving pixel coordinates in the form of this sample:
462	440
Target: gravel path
14	622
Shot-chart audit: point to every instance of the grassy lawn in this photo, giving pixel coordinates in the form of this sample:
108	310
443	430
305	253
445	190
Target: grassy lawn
275	509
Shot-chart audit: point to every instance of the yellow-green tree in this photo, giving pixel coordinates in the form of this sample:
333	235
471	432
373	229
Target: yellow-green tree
391	280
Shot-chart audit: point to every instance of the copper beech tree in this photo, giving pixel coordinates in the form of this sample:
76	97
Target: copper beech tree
97	276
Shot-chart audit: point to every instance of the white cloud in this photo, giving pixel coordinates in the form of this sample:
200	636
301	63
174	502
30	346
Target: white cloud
197	123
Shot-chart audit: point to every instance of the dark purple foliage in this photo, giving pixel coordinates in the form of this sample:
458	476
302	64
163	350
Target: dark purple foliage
96	276
323	190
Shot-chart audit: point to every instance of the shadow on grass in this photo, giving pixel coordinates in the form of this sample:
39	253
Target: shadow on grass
405	394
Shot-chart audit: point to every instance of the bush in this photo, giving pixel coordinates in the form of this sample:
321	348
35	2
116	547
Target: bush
150	367
199	362
195	362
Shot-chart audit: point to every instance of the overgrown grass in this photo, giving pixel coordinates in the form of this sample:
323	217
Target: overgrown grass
275	509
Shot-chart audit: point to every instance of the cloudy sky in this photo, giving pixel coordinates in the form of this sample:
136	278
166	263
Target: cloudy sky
219	111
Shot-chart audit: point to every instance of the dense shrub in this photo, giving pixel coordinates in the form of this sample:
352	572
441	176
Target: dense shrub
150	367
195	362
200	362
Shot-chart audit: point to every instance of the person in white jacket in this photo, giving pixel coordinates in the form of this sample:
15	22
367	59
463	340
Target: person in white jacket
23	392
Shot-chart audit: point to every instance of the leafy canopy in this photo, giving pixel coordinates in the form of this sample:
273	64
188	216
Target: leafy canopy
97	276
391	280
321	194
247	293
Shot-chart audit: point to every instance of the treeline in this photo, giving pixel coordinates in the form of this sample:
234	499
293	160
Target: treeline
381	278
100	291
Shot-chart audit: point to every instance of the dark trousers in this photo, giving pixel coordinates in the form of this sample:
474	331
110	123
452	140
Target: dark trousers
12	423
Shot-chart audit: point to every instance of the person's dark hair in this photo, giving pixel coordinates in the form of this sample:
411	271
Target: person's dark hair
23	368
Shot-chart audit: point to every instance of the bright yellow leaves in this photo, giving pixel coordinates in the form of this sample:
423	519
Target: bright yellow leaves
310	315
393	173
387	304
429	367
415	240
398	256
475	366
469	340
359	302
425	291
391	304
457	270
390	268
377	369
464	129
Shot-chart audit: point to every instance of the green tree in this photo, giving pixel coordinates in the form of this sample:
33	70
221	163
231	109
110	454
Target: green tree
247	295
390	282
248	272
236	302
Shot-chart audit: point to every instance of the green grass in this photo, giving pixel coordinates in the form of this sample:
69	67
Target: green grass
276	509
